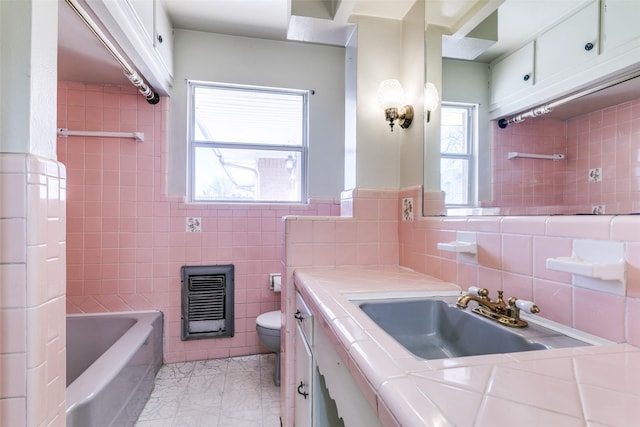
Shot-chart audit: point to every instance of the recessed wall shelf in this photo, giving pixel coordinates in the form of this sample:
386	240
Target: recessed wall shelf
459	247
575	265
595	264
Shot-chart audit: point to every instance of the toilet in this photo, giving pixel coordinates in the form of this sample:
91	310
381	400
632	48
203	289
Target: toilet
268	326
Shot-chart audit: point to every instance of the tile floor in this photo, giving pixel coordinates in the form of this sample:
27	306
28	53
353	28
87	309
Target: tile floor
235	392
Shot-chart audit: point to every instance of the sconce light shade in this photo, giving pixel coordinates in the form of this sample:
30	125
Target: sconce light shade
390	94
390	98
431	99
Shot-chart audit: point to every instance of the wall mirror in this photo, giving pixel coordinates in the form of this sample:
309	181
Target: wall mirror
586	150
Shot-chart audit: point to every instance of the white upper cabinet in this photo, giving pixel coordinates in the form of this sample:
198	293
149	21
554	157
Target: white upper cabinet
513	74
592	44
620	23
569	45
163	36
137	26
144	13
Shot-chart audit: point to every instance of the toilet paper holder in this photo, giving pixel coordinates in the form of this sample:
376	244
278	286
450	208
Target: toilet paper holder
275	282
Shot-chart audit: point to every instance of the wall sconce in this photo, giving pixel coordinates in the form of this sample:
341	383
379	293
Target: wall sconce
390	97
431	99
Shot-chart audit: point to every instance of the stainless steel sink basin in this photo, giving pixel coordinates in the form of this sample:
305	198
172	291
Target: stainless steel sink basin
433	329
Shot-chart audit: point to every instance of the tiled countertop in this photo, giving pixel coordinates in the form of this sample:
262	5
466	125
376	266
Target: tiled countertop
592	386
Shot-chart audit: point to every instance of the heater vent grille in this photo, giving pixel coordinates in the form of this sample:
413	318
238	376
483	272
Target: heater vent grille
207	301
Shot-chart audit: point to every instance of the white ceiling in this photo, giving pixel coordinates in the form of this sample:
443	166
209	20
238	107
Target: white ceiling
251	18
81	58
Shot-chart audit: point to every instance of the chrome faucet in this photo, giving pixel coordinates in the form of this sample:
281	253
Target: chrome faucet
507	313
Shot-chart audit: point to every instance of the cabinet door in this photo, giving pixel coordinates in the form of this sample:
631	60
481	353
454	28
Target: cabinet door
512	75
570	44
620	22
303	393
145	14
163	40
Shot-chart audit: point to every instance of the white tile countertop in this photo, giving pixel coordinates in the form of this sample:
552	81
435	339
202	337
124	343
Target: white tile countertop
592	386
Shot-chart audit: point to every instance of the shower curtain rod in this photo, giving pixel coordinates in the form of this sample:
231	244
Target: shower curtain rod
547	108
151	96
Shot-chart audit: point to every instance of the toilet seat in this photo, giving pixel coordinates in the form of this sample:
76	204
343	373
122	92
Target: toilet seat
270	320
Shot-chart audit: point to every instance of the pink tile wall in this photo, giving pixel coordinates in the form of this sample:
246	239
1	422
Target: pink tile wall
365	235
529	182
32	287
606	139
512	253
126	240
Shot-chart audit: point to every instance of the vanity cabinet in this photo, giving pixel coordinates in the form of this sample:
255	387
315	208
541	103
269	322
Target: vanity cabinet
304	365
326	394
569	45
513	74
620	23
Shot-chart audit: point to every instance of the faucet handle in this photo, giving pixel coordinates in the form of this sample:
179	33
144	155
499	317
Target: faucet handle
476	291
524	305
527	306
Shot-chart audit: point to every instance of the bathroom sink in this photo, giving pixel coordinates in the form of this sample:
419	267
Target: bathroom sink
434	329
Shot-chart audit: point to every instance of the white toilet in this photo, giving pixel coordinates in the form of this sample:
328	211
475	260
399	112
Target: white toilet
268	326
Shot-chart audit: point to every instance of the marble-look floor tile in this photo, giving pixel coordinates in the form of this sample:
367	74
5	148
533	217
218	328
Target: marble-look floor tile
205	384
234	392
175	370
210	367
160	408
247	418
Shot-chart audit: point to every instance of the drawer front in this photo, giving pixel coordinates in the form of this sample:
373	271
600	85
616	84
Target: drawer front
304	318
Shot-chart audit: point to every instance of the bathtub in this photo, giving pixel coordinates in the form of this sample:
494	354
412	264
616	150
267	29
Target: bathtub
112	360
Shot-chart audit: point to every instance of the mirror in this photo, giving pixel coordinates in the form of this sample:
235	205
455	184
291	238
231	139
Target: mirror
595	133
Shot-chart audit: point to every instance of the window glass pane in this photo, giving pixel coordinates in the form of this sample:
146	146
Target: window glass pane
454	176
453	133
245	116
246	175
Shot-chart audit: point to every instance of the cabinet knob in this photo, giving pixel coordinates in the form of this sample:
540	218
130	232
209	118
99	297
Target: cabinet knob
159	38
588	46
302	392
298	315
526	77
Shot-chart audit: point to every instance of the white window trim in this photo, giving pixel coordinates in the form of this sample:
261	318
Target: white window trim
192	144
472	156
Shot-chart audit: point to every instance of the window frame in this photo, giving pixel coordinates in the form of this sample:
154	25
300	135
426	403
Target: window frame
194	144
471	156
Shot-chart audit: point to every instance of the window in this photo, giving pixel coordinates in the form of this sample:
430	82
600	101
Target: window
457	163
248	144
